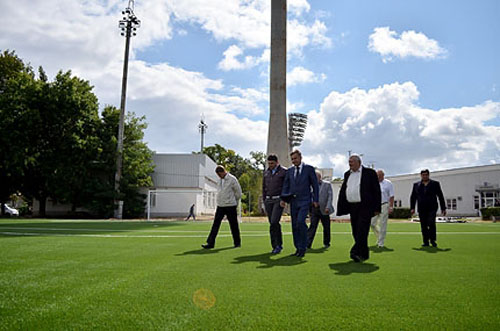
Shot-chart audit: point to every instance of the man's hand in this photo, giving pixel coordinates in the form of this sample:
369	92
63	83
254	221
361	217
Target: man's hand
443	212
412	211
377	213
315	205
282	204
327	211
391	210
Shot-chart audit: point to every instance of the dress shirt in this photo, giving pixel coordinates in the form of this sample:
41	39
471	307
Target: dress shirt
300	166
387	190
353	192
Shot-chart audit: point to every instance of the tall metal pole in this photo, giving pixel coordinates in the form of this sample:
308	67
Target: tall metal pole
277	139
128	25
203	128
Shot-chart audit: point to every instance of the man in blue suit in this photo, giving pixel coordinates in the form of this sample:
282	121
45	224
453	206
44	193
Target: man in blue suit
300	188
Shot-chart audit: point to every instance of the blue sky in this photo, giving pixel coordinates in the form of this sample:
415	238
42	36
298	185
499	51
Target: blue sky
409	84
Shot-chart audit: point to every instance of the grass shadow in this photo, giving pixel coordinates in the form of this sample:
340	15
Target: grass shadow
203	251
266	261
431	249
376	249
351	267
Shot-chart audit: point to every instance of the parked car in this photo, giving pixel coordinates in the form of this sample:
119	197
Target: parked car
10	211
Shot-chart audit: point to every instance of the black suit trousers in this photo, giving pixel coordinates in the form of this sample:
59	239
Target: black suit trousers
428	225
232	218
360	225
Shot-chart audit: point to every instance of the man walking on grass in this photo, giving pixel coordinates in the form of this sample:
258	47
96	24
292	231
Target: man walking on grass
228	194
425	195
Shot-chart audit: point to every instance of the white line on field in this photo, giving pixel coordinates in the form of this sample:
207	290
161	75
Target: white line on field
244	234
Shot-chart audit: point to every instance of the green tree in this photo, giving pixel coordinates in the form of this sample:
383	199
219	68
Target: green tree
17	83
248	172
137	165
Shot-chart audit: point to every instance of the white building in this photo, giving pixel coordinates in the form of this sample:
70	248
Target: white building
180	180
466	190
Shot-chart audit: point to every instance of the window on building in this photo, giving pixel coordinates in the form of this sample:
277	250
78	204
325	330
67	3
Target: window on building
397	203
476	202
451	204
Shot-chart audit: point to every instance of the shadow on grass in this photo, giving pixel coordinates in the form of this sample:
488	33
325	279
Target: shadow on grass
203	251
316	250
376	249
351	267
431	249
266	261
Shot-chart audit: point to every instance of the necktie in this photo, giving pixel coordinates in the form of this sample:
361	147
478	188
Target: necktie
296	172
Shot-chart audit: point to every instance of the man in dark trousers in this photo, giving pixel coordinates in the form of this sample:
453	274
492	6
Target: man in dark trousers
360	197
300	189
272	185
322	213
425	194
228	194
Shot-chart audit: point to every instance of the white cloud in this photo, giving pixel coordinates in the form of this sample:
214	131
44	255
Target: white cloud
391	130
301	75
409	44
231	61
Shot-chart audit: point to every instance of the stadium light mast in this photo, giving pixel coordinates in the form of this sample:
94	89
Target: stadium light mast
203	129
128	26
297	124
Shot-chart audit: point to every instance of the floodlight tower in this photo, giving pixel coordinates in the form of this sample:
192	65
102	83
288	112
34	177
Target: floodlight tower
297	124
277	138
128	26
203	129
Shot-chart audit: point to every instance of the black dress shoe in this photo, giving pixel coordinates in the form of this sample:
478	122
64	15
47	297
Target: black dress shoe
301	254
237	246
295	254
355	258
434	244
425	245
326	246
207	246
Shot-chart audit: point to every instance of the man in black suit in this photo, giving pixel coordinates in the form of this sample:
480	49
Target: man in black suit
360	197
425	194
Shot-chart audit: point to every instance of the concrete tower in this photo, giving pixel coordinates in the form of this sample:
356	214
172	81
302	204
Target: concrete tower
277	138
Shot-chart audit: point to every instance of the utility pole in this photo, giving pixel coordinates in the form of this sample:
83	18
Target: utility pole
203	129
128	25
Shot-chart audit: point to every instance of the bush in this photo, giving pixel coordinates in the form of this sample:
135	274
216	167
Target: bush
490	211
400	213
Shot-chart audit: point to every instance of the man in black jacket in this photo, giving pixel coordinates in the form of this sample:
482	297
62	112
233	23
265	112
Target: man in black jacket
272	184
360	197
425	194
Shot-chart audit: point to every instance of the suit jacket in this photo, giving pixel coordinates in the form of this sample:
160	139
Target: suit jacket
325	198
302	190
427	196
369	191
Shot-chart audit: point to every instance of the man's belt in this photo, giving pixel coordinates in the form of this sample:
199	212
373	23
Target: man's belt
272	196
383	203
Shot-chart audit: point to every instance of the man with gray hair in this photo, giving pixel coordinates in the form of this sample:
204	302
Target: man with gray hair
321	213
359	196
379	222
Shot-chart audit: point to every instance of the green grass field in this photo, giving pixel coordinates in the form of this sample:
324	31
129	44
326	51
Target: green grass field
154	275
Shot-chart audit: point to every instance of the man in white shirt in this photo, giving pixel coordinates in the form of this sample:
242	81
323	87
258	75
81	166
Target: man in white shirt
379	222
228	194
359	196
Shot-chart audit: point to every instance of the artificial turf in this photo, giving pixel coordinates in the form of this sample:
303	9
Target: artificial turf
57	274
